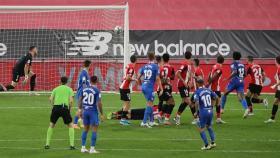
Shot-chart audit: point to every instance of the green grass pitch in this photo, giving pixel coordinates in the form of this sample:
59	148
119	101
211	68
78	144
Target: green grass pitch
24	121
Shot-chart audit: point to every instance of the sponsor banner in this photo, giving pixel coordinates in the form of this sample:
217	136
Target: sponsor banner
55	43
109	74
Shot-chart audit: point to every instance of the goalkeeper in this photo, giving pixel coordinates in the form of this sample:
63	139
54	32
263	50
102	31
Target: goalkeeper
23	68
133	114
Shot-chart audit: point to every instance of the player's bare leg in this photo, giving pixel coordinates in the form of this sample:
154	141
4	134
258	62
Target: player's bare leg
126	107
274	111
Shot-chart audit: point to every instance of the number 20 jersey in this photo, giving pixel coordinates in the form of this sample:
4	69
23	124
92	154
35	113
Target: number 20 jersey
91	96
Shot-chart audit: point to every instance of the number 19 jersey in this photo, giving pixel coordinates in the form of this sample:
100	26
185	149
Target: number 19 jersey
237	81
150	72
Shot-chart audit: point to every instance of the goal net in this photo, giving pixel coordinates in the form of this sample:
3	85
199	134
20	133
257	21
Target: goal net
65	37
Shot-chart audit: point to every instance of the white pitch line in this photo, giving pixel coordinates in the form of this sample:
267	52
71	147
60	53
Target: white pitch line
152	150
108	107
144	139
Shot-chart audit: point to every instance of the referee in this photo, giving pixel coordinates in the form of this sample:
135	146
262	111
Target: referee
62	100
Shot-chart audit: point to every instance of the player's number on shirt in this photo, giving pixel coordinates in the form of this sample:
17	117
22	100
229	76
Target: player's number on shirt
257	73
241	71
88	98
147	74
206	100
165	72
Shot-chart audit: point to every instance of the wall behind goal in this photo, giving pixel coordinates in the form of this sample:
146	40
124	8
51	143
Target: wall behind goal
110	76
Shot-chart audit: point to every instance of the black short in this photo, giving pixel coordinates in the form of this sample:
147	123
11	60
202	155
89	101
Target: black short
192	98
60	111
17	75
218	93
256	89
277	94
125	94
184	91
167	93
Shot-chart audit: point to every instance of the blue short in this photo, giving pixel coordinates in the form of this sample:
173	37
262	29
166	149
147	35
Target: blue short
90	117
148	91
205	118
237	85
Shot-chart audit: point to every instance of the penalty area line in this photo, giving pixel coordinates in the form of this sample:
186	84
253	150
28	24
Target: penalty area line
150	150
144	139
108	107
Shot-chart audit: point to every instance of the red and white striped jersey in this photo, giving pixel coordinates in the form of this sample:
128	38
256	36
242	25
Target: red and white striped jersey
255	72
278	77
198	73
183	70
129	71
167	73
216	69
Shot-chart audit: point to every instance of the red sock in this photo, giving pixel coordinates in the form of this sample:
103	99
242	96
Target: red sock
167	116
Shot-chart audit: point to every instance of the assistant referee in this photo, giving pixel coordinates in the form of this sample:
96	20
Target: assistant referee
61	99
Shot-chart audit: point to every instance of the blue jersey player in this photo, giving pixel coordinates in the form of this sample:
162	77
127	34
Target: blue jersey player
150	73
236	83
83	81
204	98
90	104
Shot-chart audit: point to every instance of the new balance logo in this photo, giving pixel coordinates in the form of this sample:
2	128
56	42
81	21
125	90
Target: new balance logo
3	49
90	44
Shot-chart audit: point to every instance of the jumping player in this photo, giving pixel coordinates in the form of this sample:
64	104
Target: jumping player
125	89
236	83
83	82
204	98
214	84
150	72
277	93
167	74
198	74
90	104
184	75
257	76
23	67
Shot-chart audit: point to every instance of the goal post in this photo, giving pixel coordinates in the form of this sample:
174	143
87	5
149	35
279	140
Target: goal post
65	37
